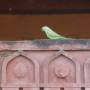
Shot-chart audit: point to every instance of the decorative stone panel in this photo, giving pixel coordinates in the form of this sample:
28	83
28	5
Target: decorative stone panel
61	68
45	65
18	70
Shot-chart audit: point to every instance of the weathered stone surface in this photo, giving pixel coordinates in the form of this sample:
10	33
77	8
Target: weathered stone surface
45	64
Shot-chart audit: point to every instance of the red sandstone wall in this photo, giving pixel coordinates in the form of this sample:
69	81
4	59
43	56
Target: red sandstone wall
45	65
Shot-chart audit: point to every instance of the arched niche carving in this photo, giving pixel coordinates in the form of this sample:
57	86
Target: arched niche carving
87	71
20	68
61	68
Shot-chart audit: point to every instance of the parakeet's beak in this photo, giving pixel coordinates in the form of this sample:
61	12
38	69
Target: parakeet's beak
42	29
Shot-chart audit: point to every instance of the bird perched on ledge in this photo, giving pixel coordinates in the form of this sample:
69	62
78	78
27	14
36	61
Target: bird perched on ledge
51	34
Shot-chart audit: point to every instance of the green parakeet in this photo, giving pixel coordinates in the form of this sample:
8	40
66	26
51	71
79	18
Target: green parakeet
51	34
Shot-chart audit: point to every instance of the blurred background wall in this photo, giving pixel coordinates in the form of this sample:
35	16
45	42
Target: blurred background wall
26	27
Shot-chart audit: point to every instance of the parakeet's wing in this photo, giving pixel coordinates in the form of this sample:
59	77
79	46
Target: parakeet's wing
54	35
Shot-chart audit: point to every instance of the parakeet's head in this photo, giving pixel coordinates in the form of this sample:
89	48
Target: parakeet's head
45	28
